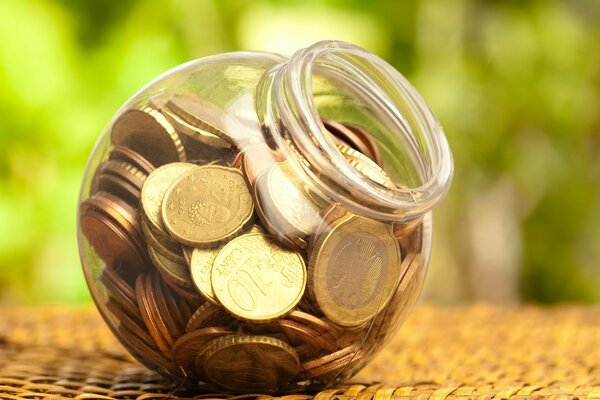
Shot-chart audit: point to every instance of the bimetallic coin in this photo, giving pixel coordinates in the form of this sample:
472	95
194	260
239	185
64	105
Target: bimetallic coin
354	269
207	205
148	133
286	210
247	363
154	189
366	166
257	280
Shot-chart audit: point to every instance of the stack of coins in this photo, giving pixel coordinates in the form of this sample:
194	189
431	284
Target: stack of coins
219	265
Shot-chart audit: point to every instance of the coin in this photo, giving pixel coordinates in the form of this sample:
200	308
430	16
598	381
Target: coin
112	232
165	247
367	138
172	271
366	166
348	137
118	186
126	154
286	210
199	113
306	341
354	269
257	280
154	189
201	264
258	158
246	363
207	205
187	347
149	315
330	364
205	315
120	290
147	132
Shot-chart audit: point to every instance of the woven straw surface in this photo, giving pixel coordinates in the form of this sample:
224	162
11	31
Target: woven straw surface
475	352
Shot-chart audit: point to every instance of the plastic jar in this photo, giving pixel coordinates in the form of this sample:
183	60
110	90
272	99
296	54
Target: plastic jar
255	223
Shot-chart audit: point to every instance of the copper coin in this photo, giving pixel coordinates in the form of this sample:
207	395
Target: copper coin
142	350
149	315
206	315
126	154
120	290
371	142
329	364
149	133
324	327
348	136
177	306
299	335
118	186
187	347
126	171
258	158
121	213
119	314
167	314
238	161
112	243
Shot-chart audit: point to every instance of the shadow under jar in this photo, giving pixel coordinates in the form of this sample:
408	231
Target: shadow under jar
255	223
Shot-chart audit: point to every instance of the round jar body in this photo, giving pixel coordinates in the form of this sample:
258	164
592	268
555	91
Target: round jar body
252	223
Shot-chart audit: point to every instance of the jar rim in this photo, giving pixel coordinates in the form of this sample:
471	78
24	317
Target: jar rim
298	111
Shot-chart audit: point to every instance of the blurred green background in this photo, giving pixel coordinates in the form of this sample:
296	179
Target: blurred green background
516	85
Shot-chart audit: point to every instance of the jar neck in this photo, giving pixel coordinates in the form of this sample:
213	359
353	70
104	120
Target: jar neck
289	115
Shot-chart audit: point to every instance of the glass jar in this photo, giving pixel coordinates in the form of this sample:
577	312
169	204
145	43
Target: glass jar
253	223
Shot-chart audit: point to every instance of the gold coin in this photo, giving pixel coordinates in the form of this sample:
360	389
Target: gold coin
199	114
366	166
354	269
154	189
201	264
147	132
207	205
247	363
173	271
257	280
286	210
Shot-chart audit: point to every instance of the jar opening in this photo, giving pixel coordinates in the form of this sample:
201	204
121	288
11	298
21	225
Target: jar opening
345	82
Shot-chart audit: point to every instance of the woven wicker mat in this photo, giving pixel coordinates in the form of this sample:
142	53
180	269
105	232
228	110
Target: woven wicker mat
440	353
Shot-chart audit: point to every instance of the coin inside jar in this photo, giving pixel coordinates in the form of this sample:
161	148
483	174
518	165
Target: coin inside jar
147	132
366	166
154	189
257	280
285	208
353	269
249	363
207	205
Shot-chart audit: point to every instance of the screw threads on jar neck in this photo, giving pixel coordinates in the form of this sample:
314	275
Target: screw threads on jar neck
291	116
